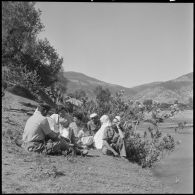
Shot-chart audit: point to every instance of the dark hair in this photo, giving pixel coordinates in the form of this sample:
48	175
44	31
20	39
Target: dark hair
85	125
52	111
59	109
114	127
78	115
43	107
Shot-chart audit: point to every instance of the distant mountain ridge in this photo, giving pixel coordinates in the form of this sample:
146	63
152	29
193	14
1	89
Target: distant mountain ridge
180	88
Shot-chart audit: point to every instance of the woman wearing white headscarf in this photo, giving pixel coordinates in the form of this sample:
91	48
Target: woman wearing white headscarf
99	134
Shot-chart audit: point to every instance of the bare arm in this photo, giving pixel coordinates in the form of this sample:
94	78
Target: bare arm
48	132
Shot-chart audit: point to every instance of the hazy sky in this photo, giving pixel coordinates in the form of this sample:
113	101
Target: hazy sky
127	44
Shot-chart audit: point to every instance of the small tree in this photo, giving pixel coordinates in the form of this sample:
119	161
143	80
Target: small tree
78	94
148	104
20	25
103	98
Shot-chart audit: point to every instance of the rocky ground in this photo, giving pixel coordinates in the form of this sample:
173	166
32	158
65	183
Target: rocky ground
24	172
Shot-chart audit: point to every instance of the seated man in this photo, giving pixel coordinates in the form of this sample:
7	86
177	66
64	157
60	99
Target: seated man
38	137
74	129
113	141
117	122
68	134
85	139
94	124
76	125
66	131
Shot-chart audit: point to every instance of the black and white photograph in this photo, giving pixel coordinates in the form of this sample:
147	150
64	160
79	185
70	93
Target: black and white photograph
97	97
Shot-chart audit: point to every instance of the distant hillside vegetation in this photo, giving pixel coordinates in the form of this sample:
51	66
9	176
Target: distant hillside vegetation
180	88
78	81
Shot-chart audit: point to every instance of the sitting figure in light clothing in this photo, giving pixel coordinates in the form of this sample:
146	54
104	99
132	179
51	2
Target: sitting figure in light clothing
85	139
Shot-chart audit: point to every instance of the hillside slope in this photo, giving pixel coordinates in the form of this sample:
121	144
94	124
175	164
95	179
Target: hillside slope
180	88
24	172
78	81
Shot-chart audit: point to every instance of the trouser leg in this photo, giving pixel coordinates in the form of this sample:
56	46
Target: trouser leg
56	147
106	151
121	147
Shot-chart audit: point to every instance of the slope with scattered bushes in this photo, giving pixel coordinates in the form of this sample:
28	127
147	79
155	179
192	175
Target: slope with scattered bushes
33	173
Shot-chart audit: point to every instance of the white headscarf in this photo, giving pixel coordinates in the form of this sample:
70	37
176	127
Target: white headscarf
118	118
99	134
93	115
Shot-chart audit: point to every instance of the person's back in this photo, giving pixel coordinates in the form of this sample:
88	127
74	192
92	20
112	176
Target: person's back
33	130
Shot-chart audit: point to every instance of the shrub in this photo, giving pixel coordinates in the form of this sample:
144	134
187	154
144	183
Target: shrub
146	152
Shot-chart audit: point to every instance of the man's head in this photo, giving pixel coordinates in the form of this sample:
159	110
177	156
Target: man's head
60	110
93	116
65	123
77	117
116	120
44	108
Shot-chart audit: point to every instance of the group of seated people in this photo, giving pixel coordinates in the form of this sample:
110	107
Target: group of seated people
57	133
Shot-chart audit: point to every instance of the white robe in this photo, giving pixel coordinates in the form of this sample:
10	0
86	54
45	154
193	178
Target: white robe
55	122
99	134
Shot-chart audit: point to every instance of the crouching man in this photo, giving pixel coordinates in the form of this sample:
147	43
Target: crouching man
113	141
38	137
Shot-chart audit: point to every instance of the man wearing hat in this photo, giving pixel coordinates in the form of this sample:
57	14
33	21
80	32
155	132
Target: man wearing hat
93	124
38	137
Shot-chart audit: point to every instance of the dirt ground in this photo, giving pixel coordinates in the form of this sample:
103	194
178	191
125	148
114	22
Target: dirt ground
24	172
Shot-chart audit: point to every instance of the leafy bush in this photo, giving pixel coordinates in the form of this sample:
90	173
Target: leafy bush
146	152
